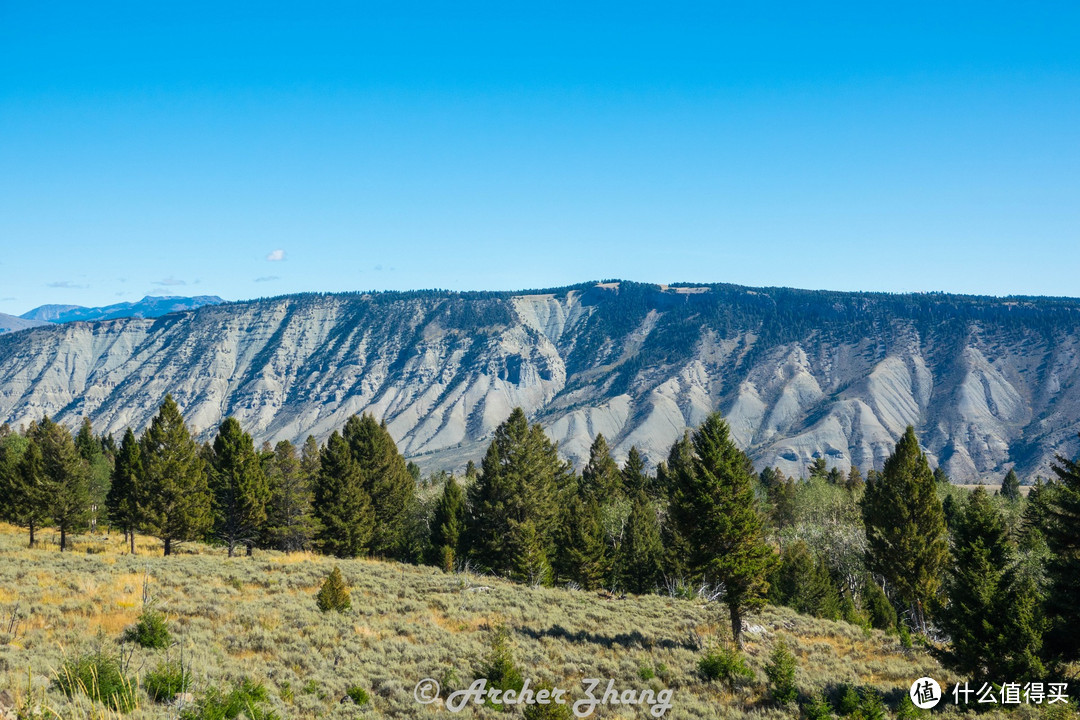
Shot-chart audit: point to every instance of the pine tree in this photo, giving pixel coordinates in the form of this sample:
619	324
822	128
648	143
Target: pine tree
802	582
342	505
521	480
1010	486
99	469
905	526
173	492
30	498
309	460
123	498
854	482
780	670
289	522
448	525
528	554
715	509
783	497
21	480
949	511
979	554
601	479
334	593
1061	529
634	477
676	547
582	544
66	486
12	446
387	481
879	611
991	615
641	555
239	487
818	469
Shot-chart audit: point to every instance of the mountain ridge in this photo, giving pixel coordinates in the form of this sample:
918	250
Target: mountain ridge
11	323
988	382
149	306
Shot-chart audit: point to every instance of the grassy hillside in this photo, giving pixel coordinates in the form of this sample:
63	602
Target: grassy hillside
257	618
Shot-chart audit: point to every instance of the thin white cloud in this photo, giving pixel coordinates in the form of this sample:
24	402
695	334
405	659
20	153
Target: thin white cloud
276	256
67	285
267	278
170	282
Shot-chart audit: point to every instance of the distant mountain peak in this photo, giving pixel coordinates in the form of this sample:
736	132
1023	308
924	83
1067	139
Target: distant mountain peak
10	323
150	306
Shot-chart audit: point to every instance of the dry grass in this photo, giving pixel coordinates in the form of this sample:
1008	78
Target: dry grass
257	617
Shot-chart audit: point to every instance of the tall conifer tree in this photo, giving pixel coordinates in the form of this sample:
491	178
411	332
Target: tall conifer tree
1010	486
1061	528
123	498
289	524
342	505
634	476
239	487
387	481
641	554
173	489
448	525
905	526
713	505
24	482
990	614
513	505
66	479
582	549
98	467
12	447
601	479
679	461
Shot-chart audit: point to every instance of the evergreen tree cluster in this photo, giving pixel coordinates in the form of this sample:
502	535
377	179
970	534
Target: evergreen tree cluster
352	497
991	581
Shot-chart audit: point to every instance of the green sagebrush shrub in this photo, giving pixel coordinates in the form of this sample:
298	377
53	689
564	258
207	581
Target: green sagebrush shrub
248	697
166	681
358	695
724	664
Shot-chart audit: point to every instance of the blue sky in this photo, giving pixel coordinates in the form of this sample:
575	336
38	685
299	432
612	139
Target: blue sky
172	148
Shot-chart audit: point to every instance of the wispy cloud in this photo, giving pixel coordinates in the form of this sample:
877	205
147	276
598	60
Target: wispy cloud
66	285
267	278
170	282
276	256
8	299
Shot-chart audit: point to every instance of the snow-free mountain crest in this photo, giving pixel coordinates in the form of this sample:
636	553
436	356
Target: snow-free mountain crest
988	383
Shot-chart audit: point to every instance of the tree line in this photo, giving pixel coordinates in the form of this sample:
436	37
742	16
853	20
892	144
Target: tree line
989	581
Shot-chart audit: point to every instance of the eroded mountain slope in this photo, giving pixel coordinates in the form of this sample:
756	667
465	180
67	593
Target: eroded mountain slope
986	382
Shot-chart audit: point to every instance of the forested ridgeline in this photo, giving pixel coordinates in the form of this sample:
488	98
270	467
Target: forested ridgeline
989	581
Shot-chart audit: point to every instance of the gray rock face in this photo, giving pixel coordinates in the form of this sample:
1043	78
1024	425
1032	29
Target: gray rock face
987	383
